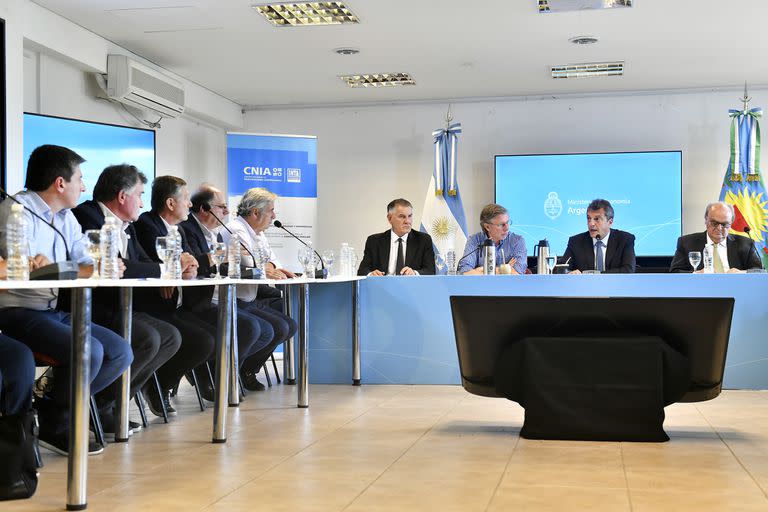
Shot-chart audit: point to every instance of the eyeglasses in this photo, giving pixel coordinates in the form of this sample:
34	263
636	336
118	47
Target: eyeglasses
719	225
500	225
222	206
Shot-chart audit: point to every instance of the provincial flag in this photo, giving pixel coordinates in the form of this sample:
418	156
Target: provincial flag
443	213
743	185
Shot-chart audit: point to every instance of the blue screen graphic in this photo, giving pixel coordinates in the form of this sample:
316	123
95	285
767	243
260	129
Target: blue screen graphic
101	145
547	196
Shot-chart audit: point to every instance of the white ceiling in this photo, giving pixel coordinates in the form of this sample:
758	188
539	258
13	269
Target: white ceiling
453	49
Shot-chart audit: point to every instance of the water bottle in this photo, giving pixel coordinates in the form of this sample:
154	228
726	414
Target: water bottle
233	256
489	257
344	261
16	245
109	243
708	258
450	262
173	232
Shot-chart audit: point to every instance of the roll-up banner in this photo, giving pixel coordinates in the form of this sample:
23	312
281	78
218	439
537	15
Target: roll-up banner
287	166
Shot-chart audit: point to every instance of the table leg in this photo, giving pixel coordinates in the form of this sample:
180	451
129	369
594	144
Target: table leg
124	384
303	388
289	363
80	390
355	333
222	363
234	365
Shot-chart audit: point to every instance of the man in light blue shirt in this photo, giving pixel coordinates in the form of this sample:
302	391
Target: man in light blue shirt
54	184
510	248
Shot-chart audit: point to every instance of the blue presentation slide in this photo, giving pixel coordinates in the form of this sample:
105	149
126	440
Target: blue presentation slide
101	145
547	196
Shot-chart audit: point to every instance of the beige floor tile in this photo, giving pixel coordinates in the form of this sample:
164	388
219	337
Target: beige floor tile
549	498
701	500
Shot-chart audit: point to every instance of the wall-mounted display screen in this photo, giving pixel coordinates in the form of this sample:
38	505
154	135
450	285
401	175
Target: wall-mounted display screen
547	196
100	144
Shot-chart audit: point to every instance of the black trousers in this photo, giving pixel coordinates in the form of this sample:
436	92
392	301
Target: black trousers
271	310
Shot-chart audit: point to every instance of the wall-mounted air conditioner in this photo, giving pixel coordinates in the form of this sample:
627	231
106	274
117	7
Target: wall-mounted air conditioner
137	85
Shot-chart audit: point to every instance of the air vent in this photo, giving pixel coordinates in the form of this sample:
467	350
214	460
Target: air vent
547	6
306	13
588	70
583	40
378	80
346	51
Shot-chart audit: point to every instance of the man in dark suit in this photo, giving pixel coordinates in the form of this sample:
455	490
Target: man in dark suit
601	248
730	253
202	230
118	194
170	205
399	251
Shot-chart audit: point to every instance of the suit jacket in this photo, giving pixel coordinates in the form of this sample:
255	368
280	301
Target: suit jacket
419	254
198	245
106	308
148	228
741	252
620	252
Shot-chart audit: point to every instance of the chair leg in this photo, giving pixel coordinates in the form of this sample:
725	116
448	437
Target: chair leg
197	390
266	374
274	365
160	394
98	431
210	375
241	387
140	404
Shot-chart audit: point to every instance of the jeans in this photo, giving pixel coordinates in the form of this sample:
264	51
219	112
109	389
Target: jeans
17	374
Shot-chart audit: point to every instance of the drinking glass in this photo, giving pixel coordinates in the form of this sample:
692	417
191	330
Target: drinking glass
328	258
93	243
218	255
164	247
551	260
307	261
694	258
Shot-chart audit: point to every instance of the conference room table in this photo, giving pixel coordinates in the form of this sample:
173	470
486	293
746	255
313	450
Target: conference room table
226	364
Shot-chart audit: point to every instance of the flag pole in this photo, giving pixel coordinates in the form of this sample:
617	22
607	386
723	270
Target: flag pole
746	99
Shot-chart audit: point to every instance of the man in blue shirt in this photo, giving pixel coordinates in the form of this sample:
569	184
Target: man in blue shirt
510	248
54	183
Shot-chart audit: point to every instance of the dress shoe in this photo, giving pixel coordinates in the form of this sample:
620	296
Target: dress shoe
154	401
59	443
250	382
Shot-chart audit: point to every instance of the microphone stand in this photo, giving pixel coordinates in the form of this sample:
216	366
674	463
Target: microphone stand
56	271
321	273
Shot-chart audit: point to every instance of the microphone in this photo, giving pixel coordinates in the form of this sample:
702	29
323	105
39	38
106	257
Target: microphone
319	274
470	253
54	271
245	272
747	230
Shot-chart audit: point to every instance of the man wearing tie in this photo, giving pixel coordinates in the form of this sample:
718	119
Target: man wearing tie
399	251
601	248
732	254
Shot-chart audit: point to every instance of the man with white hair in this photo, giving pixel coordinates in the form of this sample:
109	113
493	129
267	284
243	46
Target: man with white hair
255	214
730	253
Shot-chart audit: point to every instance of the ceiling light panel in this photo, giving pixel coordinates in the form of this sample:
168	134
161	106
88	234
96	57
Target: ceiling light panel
588	70
378	80
306	13
547	6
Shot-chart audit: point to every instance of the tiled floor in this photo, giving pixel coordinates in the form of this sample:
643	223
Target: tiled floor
433	448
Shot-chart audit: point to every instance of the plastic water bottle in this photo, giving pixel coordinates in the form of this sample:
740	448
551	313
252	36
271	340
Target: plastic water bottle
707	258
450	262
344	260
17	245
233	256
173	232
110	248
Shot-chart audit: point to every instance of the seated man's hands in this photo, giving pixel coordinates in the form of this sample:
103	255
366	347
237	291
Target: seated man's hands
38	261
376	272
188	266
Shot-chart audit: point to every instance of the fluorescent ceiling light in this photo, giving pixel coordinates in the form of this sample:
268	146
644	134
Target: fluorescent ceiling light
547	6
587	70
378	80
306	13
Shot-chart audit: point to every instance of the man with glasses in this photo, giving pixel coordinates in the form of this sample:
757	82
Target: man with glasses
730	253
510	247
399	251
601	248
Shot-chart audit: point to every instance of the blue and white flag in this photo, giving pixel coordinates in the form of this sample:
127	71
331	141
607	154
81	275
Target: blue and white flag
443	213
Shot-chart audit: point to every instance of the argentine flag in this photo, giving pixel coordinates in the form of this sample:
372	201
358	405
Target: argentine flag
443	213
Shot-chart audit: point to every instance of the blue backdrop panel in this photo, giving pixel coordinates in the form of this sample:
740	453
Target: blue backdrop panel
407	332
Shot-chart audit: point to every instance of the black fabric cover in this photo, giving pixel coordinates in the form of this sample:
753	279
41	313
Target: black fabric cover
592	388
19	456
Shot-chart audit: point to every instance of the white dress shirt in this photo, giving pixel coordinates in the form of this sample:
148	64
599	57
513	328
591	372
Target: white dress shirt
605	248
252	240
393	247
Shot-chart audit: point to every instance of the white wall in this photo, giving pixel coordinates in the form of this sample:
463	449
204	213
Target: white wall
370	155
49	71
